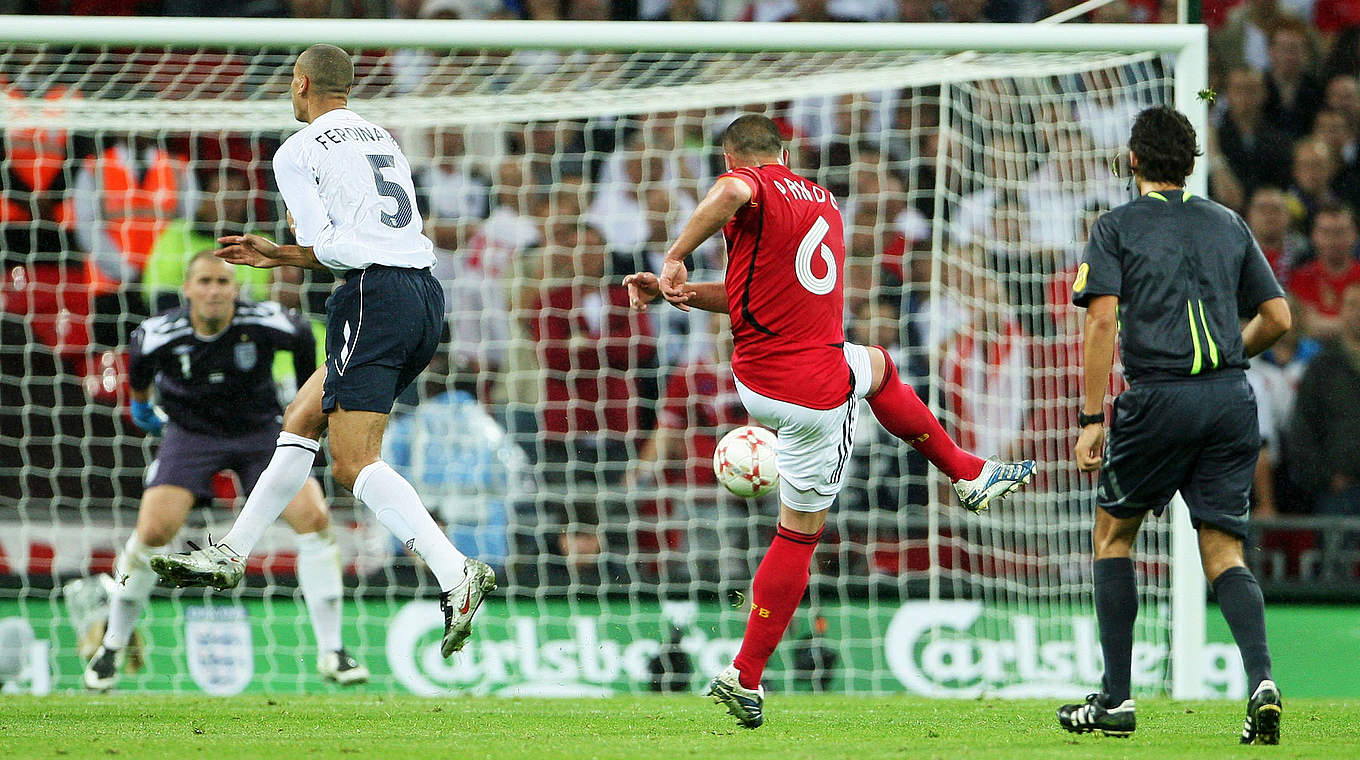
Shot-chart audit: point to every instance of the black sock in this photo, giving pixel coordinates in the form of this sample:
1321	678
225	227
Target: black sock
1116	609
1239	597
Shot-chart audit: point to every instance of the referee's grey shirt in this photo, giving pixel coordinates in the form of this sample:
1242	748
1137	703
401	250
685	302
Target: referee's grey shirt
1187	271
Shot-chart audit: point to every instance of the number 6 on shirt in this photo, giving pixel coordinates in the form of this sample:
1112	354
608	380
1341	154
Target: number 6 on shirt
802	262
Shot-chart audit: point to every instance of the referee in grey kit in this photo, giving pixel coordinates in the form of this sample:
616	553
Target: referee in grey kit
1173	275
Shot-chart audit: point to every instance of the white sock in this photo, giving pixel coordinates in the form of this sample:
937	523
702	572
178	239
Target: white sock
133	581
398	507
278	484
318	572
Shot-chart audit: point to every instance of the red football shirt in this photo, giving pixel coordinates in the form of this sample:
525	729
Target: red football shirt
1319	288
786	259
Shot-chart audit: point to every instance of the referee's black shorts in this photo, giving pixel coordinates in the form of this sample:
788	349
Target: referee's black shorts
382	328
1198	436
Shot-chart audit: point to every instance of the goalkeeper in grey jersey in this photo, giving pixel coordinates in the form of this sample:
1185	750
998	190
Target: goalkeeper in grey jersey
211	364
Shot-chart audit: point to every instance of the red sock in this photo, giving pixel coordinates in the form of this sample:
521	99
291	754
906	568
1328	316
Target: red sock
776	592
901	411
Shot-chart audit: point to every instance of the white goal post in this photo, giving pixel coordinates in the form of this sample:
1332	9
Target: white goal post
493	78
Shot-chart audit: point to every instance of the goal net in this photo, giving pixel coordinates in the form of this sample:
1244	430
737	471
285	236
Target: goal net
558	436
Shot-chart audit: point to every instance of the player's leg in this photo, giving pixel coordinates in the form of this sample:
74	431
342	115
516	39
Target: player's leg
900	411
1243	606
223	565
811	449
1217	492
160	516
288	470
1111	711
319	576
356	446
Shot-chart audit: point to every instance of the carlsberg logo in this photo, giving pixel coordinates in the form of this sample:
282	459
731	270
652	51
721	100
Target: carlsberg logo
932	649
528	663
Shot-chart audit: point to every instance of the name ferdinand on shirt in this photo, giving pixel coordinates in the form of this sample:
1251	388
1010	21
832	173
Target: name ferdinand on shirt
341	134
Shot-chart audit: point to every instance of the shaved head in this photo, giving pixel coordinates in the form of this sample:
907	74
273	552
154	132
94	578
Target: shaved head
752	135
328	68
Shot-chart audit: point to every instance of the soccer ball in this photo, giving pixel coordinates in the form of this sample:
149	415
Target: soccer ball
744	461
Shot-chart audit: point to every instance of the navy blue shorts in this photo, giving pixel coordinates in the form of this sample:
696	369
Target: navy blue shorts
382	328
189	460
1199	437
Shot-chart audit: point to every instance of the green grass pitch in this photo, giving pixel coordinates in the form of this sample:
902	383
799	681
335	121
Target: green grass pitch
637	728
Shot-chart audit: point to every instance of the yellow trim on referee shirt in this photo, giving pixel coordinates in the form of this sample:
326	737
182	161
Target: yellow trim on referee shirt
1194	337
1209	337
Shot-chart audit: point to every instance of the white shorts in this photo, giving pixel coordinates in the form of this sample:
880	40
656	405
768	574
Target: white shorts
814	444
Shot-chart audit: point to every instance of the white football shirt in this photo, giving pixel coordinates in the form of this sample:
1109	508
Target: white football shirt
349	189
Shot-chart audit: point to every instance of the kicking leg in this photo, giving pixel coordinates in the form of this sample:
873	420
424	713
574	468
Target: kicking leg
356	446
902	413
1240	600
159	517
319	575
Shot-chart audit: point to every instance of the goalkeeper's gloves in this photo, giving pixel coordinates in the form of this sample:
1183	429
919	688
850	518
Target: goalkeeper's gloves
147	417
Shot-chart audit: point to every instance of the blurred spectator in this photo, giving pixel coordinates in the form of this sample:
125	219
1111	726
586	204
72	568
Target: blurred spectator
1257	151
1274	377
223	209
33	183
1324	435
708	529
229	8
1343	95
985	373
462	463
1268	217
477	299
1293	92
679	10
965	12
452	190
914	11
338	8
1336	130
596	363
124	197
1320	283
1343	57
1313	172
1243	39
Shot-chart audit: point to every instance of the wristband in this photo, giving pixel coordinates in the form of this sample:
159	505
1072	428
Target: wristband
1090	419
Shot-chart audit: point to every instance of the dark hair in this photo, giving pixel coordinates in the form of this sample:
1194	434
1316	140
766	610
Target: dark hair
329	68
752	134
1165	144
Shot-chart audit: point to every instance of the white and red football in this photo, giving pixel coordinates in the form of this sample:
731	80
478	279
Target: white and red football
745	462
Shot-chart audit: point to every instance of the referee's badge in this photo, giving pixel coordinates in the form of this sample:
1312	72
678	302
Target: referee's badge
1080	283
246	355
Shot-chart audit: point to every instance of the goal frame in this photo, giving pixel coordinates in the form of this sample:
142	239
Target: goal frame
1188	43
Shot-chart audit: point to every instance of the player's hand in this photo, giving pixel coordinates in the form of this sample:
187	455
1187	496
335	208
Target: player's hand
643	288
672	282
147	417
250	250
1090	448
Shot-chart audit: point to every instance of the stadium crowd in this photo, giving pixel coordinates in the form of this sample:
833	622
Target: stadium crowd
616	413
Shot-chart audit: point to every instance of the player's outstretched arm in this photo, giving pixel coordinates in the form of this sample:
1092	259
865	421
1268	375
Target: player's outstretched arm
261	252
726	197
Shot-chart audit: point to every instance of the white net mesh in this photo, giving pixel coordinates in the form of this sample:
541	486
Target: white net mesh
559	436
